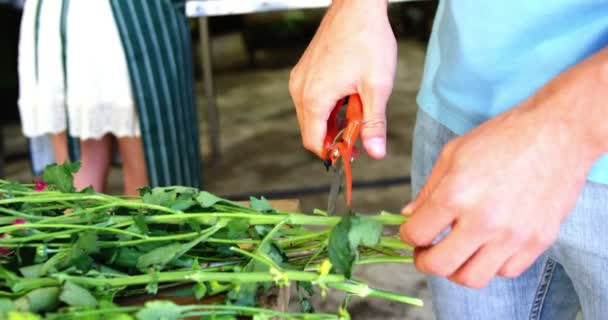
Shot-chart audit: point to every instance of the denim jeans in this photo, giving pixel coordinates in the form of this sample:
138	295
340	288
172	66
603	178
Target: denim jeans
571	275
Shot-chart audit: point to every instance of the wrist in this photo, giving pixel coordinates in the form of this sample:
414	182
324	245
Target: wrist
367	5
575	103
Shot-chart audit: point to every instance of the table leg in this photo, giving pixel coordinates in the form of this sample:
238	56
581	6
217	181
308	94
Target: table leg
212	111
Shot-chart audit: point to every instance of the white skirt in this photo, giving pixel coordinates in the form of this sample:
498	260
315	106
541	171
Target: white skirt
92	94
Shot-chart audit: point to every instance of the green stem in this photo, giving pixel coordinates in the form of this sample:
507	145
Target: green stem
71	227
78	212
16	213
255	219
292	241
373	260
394	243
363	290
199	276
255	256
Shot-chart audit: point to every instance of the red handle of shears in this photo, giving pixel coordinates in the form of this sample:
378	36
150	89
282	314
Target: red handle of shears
341	137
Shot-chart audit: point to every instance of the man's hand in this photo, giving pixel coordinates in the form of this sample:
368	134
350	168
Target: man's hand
353	51
505	187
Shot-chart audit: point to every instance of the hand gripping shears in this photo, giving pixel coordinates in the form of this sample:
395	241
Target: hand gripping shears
340	142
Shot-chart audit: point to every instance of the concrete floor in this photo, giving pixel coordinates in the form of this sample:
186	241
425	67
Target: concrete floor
261	151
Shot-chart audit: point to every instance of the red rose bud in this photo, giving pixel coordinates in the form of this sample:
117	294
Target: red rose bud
40	184
20	221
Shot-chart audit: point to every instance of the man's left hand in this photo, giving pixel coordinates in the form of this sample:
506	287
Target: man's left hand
505	187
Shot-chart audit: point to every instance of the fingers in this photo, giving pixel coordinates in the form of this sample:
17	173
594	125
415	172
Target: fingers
373	132
314	116
427	223
313	107
429	214
484	264
444	258
524	258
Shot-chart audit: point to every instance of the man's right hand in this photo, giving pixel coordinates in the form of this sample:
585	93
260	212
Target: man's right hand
353	51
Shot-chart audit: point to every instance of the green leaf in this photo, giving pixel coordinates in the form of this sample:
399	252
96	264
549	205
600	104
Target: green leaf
61	176
58	261
159	256
163	255
208	200
159	310
320	212
357	230
261	204
152	287
126	257
39	300
237	229
144	190
88	190
6	305
364	231
32	271
86	243
194	224
200	290
246	294
183	202
341	255
7	275
159	197
83	262
140	222
77	296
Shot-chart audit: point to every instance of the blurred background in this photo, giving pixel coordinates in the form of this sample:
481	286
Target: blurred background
257	149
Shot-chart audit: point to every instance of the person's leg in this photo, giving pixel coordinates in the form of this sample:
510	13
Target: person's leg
95	155
519	298
582	248
133	164
60	147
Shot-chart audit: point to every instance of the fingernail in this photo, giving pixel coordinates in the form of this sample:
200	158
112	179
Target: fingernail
408	210
377	146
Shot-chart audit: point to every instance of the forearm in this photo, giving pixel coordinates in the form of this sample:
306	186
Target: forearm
576	103
363	3
363	6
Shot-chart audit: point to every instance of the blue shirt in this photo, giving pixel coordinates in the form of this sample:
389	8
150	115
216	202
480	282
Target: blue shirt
485	57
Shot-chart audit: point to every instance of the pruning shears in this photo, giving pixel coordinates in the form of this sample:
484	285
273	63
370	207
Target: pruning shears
340	139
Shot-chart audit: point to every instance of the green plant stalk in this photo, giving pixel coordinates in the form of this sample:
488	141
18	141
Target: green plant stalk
177	276
207	309
255	219
72	227
308	236
363	290
374	260
331	280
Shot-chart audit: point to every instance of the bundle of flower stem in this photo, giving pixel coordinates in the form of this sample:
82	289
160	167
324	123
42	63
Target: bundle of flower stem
75	255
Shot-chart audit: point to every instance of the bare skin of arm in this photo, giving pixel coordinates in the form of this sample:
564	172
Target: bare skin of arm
504	188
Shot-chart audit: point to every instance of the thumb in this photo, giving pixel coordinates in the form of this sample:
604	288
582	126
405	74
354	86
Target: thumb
373	131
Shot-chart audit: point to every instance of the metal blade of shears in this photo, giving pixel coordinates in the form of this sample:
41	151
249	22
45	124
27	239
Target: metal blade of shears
334	190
